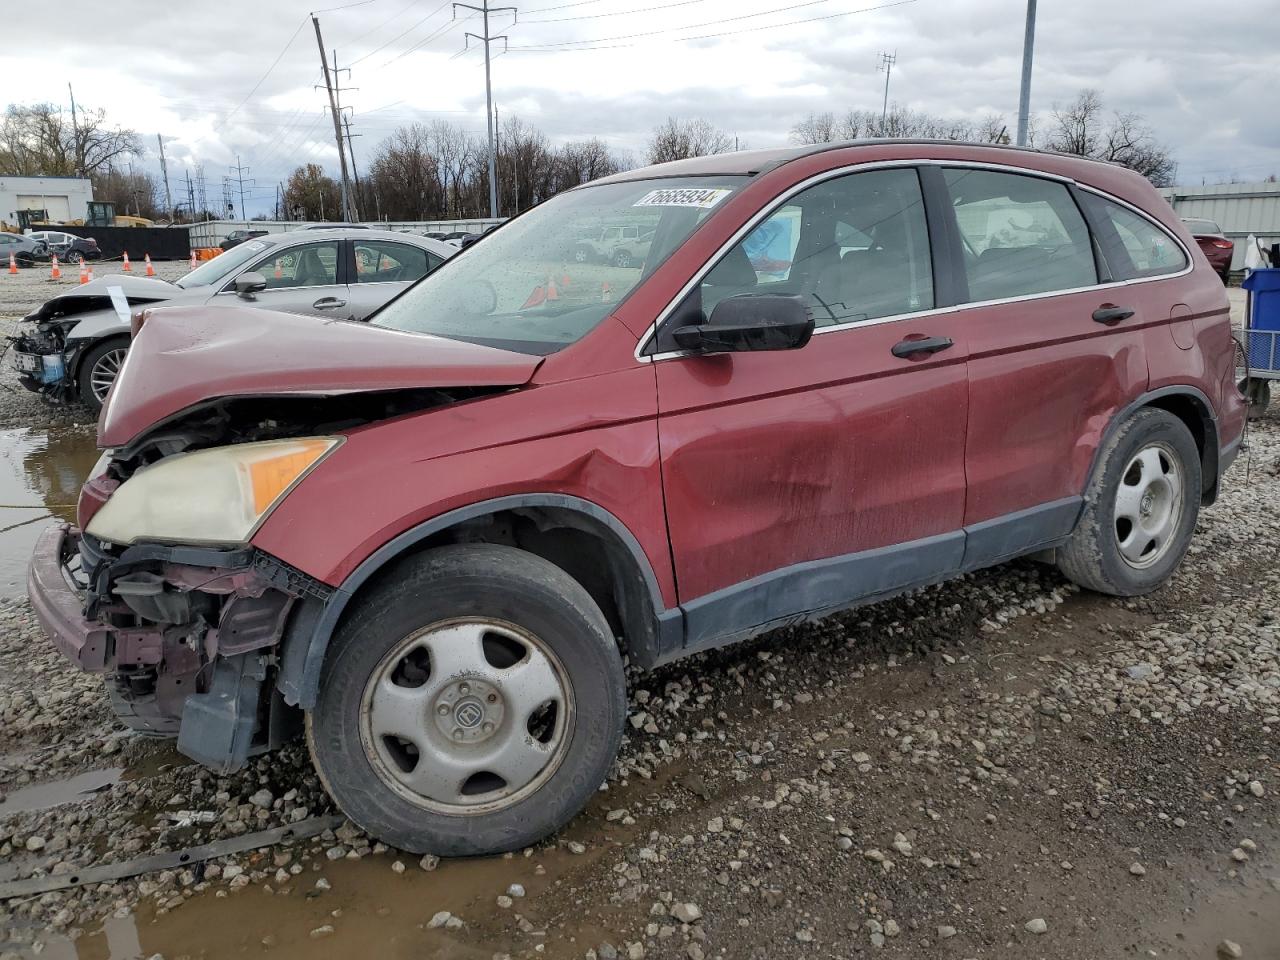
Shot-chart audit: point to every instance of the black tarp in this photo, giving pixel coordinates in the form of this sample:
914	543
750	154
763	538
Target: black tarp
163	243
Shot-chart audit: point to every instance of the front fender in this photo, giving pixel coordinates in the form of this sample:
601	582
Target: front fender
95	325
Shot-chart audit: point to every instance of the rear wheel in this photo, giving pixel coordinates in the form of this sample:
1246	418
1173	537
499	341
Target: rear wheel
1140	508
471	704
98	371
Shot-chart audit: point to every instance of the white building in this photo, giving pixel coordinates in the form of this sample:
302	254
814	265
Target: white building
1239	209
62	198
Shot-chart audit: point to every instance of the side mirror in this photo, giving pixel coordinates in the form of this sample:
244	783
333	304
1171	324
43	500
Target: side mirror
247	284
751	321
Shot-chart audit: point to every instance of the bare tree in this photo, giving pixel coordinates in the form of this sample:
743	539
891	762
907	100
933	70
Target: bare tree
681	139
816	128
1083	128
898	123
40	140
137	193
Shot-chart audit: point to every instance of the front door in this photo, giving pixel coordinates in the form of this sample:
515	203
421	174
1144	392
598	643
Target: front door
796	481
308	278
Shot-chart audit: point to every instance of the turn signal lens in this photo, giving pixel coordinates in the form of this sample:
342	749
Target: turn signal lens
270	477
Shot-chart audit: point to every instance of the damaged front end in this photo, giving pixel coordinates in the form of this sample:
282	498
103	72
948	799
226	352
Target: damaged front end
41	361
188	637
192	639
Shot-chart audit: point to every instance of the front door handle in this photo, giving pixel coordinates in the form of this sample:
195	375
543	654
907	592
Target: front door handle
907	348
1110	314
329	303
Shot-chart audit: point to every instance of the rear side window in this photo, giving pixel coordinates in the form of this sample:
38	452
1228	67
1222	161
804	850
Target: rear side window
379	261
1021	235
1133	245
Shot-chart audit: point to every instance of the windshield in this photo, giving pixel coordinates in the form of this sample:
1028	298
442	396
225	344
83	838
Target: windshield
212	271
550	276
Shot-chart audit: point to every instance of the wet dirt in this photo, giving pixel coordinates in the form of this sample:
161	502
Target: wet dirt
41	472
41	796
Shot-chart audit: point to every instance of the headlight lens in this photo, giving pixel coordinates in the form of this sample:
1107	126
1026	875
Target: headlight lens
210	496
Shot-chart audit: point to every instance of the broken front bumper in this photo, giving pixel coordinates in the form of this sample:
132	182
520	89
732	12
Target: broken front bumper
59	604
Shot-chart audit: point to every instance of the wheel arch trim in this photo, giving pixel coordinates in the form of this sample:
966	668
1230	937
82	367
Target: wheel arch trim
307	639
1151	398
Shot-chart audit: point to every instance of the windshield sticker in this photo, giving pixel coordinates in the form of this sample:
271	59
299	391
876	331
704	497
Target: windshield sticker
704	198
255	245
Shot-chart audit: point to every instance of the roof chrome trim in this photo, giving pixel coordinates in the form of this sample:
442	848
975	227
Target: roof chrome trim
651	331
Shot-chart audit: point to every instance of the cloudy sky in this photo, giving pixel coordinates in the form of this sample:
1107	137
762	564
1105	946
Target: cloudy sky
1204	74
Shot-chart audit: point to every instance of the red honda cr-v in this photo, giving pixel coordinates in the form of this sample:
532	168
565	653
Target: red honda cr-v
840	372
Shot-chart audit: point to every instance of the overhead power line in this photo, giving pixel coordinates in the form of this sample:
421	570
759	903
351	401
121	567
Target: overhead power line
569	46
274	63
616	13
402	33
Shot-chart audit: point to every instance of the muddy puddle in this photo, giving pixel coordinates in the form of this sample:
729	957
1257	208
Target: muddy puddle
41	472
369	910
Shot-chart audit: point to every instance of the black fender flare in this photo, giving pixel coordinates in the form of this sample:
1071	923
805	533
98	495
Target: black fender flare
307	638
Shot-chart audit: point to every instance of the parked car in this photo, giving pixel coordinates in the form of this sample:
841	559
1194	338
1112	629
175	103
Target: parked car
622	246
73	346
846	372
1217	249
237	237
67	246
334	226
25	250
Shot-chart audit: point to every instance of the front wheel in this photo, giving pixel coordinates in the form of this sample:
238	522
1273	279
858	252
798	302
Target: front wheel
99	370
470	704
1140	509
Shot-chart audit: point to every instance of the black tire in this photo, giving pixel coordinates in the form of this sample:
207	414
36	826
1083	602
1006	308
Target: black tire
85	376
469	581
621	258
1092	556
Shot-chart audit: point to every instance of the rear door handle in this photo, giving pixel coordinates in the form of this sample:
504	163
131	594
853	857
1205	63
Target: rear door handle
1110	314
908	348
329	303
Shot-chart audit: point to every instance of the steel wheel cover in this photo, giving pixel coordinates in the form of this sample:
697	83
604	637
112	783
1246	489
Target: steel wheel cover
1149	505
467	716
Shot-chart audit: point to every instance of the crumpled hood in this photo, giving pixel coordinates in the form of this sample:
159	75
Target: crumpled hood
93	295
186	355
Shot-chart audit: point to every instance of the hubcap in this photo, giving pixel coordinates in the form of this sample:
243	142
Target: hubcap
105	371
1149	505
467	716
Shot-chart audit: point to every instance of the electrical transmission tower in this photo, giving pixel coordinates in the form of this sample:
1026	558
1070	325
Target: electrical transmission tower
887	60
487	39
239	172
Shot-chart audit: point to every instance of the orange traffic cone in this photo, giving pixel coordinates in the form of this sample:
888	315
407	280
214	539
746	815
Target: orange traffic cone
151	271
193	259
91	273
84	272
280	272
606	292
552	292
126	268
54	272
13	264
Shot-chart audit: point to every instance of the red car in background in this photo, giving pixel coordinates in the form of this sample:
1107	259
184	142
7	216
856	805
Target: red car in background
1217	249
841	372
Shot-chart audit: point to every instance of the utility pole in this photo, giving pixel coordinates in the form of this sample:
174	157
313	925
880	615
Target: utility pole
351	147
191	196
1024	96
488	39
164	169
75	132
347	212
887	60
240	171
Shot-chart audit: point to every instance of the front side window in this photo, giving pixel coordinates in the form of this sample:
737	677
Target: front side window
306	265
1133	245
856	247
532	288
1021	235
384	261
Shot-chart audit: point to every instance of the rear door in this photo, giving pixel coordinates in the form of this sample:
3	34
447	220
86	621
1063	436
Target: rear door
305	278
798	480
1056	350
382	270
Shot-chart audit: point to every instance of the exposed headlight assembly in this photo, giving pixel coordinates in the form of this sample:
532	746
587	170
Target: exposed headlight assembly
215	496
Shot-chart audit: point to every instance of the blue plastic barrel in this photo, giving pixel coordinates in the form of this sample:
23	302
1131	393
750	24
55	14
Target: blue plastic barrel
1264	314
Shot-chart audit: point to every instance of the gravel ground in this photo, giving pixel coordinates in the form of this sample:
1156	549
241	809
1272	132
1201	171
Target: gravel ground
1000	766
